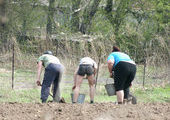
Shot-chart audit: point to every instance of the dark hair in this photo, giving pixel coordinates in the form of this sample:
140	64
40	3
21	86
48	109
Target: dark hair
115	49
48	52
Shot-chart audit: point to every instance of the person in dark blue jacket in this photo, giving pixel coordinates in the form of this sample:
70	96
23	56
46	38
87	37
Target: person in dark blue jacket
124	69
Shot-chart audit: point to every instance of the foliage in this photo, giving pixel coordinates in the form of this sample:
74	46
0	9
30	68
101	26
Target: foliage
139	27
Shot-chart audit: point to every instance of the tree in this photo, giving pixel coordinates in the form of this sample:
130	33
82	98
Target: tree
75	15
3	21
2	14
88	14
50	16
119	15
162	15
22	17
108	9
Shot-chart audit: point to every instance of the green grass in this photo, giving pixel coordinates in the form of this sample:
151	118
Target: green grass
153	94
33	96
24	95
21	96
100	96
20	72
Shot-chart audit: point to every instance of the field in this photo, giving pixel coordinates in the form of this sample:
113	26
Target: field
23	102
97	111
73	29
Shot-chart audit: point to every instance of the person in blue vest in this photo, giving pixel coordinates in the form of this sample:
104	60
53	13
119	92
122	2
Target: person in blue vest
124	69
53	74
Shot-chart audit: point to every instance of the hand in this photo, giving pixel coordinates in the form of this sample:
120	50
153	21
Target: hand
131	85
111	75
94	82
73	87
38	83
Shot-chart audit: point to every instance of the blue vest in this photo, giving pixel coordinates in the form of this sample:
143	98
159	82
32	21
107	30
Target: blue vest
117	57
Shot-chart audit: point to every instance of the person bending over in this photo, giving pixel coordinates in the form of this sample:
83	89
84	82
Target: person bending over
124	73
86	67
52	75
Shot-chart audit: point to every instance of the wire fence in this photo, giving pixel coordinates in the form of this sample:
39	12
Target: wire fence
18	61
18	67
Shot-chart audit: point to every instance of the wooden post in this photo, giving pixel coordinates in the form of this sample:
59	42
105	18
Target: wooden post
13	65
144	72
145	57
57	47
100	53
97	73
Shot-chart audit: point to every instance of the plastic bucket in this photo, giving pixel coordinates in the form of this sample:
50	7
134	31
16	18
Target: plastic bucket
81	98
110	88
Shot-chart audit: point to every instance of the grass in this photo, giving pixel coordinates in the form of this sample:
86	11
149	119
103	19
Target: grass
25	90
154	94
33	96
21	96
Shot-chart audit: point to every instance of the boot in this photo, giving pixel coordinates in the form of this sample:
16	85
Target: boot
62	100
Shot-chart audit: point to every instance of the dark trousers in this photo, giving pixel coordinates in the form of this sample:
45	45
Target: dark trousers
53	74
124	74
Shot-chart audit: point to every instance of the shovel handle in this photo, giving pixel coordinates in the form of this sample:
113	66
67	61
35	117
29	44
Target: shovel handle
49	93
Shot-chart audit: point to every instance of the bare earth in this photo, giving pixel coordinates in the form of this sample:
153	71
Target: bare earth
97	111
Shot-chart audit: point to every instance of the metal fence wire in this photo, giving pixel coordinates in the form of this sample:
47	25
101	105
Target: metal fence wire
18	67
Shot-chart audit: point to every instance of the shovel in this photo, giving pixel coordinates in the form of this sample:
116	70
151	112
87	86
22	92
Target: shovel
62	100
49	93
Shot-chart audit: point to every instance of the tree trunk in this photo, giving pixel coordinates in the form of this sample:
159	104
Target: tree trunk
2	16
119	15
108	10
23	36
3	26
75	15
50	17
88	14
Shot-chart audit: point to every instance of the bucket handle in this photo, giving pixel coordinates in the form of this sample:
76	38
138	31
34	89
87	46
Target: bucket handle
107	80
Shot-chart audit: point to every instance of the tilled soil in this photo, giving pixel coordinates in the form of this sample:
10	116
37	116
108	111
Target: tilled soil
86	111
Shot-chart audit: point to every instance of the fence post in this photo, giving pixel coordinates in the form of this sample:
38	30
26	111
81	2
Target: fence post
13	50
145	57
100	53
57	47
144	72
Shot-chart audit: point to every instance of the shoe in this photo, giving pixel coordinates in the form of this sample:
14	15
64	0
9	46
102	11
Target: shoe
43	101
62	100
120	102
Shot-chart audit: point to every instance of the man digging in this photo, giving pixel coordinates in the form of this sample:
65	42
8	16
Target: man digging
53	74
